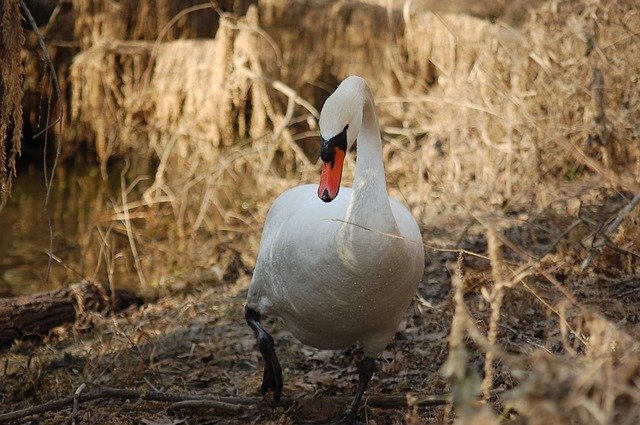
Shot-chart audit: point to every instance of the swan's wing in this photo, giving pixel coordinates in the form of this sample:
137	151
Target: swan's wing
407	224
297	222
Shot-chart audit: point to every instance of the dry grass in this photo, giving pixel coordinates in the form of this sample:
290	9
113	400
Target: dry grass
513	147
12	39
481	108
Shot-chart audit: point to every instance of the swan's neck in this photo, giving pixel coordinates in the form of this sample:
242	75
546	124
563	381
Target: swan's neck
369	206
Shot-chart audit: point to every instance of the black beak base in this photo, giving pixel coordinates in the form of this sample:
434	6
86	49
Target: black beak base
327	151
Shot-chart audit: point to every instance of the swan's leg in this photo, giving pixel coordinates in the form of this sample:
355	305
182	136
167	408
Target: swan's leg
272	377
365	372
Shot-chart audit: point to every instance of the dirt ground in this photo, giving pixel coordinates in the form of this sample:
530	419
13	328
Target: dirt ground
195	341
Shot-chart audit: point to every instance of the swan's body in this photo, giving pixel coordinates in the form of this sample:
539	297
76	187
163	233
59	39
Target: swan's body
336	283
342	271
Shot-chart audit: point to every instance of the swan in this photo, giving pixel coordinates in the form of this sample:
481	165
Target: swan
338	266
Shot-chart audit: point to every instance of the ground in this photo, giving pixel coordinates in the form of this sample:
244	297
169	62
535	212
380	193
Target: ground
195	341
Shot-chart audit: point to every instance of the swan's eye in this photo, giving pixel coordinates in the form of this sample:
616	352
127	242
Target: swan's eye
327	152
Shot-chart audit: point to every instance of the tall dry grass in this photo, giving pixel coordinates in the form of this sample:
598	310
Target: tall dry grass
11	41
481	108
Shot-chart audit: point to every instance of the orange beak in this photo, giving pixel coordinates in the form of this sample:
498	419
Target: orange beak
331	176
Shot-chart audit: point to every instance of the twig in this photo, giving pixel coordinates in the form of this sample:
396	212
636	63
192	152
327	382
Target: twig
195	404
229	404
215	8
74	411
629	292
294	98
438	100
622	214
623	282
282	88
619	250
127	223
56	84
596	247
596	166
560	237
47	57
391	235
165	29
496	297
66	267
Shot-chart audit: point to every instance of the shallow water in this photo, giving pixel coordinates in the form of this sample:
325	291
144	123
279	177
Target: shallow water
78	207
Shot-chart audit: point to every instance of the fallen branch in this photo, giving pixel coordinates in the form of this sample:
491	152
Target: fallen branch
211	404
37	314
184	401
389	401
102	392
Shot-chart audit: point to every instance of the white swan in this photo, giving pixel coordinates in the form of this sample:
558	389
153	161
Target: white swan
342	271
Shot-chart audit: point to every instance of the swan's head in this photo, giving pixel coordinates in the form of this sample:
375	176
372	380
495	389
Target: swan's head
340	122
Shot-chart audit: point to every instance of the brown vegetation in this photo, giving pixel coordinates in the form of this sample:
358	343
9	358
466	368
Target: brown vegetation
517	150
490	111
11	41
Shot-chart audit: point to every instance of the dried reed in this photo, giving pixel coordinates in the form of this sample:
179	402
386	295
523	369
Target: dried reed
495	300
11	41
481	107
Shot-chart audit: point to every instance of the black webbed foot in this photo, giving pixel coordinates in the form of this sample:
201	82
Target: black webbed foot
350	417
365	372
272	376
